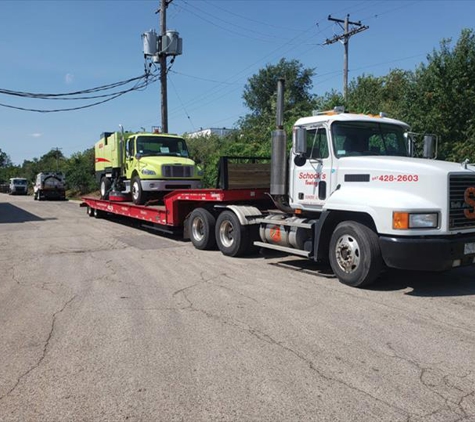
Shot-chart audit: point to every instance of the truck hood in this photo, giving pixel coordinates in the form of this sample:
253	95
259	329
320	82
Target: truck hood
165	160
404	165
380	185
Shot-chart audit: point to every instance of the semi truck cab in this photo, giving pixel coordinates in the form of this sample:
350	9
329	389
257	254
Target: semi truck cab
18	186
350	167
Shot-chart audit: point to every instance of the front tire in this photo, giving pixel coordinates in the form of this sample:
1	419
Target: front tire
138	195
105	187
201	227
232	237
355	256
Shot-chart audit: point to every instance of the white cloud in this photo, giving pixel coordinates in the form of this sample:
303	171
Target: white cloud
36	135
69	78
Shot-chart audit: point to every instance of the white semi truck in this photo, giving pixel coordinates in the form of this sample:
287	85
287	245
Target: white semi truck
349	193
18	186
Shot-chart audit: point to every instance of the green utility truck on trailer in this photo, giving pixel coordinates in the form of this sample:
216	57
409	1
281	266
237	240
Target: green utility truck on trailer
147	165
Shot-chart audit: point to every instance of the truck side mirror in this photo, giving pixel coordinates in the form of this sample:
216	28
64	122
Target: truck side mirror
409	136
429	147
300	147
301	141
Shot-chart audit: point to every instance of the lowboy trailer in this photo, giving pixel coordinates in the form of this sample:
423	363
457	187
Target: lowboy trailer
350	193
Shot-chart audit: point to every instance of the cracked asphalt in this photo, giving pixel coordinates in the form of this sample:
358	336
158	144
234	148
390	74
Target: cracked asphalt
101	321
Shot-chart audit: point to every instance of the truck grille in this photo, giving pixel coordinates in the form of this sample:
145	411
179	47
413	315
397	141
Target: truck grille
457	205
177	171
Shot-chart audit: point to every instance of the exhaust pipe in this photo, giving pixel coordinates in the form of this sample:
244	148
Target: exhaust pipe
279	147
278	173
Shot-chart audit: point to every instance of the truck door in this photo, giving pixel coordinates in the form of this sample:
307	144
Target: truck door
310	183
129	157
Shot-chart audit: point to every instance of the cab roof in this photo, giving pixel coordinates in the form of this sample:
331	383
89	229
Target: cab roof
333	116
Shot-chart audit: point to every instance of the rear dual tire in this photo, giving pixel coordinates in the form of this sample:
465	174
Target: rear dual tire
201	226
226	232
234	238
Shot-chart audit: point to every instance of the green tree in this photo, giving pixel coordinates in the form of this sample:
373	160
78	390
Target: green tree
52	160
260	96
206	150
5	160
329	100
80	172
260	91
443	97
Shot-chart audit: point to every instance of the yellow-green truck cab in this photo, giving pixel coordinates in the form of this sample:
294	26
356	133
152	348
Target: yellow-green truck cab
145	164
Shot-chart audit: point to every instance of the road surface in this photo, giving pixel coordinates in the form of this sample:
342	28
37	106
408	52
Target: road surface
101	321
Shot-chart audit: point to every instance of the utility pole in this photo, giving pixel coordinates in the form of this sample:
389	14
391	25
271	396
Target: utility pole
163	63
345	37
57	150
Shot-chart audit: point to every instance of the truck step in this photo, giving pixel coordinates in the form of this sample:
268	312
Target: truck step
285	249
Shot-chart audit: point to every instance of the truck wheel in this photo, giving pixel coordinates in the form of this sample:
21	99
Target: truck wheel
201	229
38	194
105	187
355	256
35	196
232	238
138	195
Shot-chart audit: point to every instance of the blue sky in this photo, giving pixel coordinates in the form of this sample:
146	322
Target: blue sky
65	46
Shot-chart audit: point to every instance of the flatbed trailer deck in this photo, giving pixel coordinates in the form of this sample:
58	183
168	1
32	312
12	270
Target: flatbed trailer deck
177	205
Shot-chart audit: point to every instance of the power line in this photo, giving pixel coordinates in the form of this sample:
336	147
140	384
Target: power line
181	102
142	82
67	94
198	13
247	18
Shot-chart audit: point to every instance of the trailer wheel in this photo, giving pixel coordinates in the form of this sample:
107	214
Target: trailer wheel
90	211
355	256
232	237
201	229
105	187
138	195
98	213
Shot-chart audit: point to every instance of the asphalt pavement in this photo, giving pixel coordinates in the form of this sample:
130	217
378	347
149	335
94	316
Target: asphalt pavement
101	321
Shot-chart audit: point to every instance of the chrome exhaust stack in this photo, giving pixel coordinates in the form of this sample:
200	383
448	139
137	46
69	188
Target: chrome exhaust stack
279	147
278	173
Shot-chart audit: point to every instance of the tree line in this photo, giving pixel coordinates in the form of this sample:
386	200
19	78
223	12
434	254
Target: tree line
437	97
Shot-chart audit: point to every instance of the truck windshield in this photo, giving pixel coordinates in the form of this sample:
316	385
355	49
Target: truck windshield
368	138
161	145
19	182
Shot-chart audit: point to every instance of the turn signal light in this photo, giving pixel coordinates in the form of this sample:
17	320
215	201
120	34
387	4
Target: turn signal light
400	220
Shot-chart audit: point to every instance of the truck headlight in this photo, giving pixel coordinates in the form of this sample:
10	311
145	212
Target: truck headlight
148	172
406	220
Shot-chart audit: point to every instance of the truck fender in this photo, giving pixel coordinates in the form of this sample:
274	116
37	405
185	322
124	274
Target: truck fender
246	214
326	224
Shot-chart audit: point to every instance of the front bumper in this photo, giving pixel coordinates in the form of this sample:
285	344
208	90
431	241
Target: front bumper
167	185
19	191
426	253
